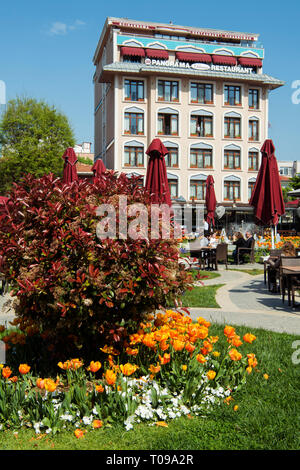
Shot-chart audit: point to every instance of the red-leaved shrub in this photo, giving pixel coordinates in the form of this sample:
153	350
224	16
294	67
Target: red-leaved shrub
73	289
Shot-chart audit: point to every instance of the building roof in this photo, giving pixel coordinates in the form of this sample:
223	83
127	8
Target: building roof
138	68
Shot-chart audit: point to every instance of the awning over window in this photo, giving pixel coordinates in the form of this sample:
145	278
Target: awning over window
193	57
157	54
133	51
224	60
250	62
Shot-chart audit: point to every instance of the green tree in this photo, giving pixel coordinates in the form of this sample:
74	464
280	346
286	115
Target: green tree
33	136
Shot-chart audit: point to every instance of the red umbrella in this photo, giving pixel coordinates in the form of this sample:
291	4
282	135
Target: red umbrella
267	198
98	168
156	177
70	172
210	200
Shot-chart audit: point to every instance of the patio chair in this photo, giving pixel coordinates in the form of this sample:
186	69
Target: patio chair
243	250
273	254
285	285
220	254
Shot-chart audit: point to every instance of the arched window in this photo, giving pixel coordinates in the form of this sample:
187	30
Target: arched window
232	188
201	155
198	187
201	123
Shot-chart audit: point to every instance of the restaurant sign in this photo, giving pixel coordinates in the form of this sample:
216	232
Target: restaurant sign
200	66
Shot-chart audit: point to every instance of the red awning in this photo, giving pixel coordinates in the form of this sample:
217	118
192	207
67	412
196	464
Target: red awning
157	53
193	57
249	62
134	51
224	60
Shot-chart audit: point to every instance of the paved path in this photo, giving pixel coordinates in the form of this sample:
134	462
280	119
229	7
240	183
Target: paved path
245	300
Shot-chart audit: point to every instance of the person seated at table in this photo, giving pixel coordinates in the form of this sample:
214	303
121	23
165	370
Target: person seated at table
239	242
213	240
288	249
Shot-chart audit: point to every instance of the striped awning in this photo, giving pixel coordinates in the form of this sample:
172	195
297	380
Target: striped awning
224	60
157	54
133	51
250	62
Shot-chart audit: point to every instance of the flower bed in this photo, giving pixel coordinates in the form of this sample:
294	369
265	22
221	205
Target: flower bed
169	367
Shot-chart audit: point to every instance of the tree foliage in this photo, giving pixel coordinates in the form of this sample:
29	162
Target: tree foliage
33	136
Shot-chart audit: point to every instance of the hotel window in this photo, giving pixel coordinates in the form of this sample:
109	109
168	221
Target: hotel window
171	158
134	123
198	187
168	90
201	156
232	158
232	126
133	156
202	93
253	160
232	188
253	129
232	95
253	99
134	90
251	184
201	124
167	123
173	185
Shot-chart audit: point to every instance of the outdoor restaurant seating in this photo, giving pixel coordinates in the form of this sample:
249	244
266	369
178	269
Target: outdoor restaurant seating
289	279
220	254
243	250
271	272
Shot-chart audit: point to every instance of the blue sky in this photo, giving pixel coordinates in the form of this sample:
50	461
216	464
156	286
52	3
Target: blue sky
47	49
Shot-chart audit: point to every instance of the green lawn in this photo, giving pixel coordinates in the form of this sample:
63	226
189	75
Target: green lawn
267	417
202	297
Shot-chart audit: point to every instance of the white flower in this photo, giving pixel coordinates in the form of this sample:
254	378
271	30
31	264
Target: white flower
87	420
48	431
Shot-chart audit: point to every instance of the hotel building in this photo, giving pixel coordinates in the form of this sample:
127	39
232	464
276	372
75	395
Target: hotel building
203	92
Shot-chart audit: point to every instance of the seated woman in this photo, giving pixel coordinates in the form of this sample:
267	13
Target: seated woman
288	249
239	241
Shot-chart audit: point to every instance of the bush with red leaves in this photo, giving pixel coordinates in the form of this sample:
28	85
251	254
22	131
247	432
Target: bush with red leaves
77	291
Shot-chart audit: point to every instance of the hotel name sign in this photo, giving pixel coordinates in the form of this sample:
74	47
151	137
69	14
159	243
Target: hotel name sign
200	66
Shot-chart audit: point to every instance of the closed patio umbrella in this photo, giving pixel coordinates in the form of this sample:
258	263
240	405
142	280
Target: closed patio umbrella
210	200
70	172
98	168
156	177
267	198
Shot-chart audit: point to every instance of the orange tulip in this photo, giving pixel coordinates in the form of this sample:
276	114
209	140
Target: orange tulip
229	331
249	338
94	366
40	383
128	369
110	377
235	355
252	361
24	369
97	423
235	341
178	345
154	369
50	385
211	374
79	433
165	359
190	347
6	372
200	358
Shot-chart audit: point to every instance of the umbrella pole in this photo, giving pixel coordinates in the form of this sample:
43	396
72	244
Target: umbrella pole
272	237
